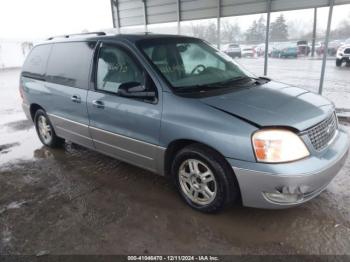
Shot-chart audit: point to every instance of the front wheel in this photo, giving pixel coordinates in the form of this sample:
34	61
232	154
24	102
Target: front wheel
204	179
45	130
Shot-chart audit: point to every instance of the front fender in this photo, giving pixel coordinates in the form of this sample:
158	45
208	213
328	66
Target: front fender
188	118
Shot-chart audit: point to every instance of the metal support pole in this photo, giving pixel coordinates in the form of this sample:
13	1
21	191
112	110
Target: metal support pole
325	53
178	17
267	37
115	14
219	25
314	33
113	17
145	14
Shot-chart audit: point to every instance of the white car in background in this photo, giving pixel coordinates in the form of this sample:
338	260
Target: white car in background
248	51
233	50
343	54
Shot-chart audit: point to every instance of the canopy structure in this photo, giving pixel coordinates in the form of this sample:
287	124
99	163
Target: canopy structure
144	12
137	12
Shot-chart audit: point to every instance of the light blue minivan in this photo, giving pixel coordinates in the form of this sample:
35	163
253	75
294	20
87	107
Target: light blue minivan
178	107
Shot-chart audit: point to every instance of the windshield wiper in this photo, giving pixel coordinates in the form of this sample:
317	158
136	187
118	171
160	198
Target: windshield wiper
208	87
231	81
261	80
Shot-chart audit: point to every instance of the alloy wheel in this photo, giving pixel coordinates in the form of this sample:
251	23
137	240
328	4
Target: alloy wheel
197	181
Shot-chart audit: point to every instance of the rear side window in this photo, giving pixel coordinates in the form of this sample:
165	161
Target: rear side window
35	64
69	64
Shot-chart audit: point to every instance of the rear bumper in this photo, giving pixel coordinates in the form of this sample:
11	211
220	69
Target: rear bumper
26	111
234	54
306	178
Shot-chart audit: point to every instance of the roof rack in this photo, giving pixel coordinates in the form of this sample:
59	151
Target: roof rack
68	36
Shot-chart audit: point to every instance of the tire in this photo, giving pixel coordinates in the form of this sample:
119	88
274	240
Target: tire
338	62
221	190
45	130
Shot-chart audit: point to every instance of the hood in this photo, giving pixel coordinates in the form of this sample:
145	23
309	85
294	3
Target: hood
274	104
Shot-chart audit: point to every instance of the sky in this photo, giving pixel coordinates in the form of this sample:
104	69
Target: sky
39	19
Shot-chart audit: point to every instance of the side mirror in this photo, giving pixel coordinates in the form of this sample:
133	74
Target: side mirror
135	90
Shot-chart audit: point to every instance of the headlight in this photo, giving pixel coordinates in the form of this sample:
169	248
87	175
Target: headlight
278	145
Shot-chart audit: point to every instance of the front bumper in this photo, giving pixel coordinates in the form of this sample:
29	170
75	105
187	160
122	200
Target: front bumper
308	177
344	58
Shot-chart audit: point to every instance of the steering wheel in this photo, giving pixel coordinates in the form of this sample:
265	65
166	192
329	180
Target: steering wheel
197	68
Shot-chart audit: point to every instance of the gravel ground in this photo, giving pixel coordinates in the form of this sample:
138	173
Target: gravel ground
76	201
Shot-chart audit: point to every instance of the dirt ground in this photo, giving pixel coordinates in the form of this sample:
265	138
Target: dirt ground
76	201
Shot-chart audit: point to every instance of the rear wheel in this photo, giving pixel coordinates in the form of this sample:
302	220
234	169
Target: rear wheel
204	179
338	62
45	130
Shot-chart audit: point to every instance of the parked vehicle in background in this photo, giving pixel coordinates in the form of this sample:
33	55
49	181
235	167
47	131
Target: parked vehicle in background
234	50
333	47
178	107
343	54
260	50
248	51
303	48
289	52
275	52
277	47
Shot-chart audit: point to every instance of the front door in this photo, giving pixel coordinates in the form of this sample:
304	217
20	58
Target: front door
124	127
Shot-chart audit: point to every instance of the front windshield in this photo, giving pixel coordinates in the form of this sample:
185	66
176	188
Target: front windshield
187	63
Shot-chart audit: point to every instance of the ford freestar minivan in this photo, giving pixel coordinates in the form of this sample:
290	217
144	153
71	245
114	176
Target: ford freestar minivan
179	107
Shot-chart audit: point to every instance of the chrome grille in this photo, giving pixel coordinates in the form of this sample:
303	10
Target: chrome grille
321	134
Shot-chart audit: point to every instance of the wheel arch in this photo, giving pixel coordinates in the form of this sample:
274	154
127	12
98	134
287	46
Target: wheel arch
33	108
175	146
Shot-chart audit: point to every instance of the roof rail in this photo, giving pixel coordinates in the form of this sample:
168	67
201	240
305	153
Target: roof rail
68	36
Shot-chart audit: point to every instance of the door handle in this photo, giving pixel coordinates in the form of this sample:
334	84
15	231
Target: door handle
98	104
76	99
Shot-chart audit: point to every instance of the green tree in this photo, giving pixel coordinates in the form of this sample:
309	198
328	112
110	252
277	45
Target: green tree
279	29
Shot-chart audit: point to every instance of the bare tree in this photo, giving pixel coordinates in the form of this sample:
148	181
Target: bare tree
205	31
231	32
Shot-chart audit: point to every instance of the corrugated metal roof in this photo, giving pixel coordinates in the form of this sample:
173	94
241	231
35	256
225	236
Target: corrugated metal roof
132	12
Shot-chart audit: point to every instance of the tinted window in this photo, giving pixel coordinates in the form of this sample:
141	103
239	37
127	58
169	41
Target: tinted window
35	64
69	64
115	67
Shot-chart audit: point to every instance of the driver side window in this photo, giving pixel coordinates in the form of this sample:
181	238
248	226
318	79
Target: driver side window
115	67
194	56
